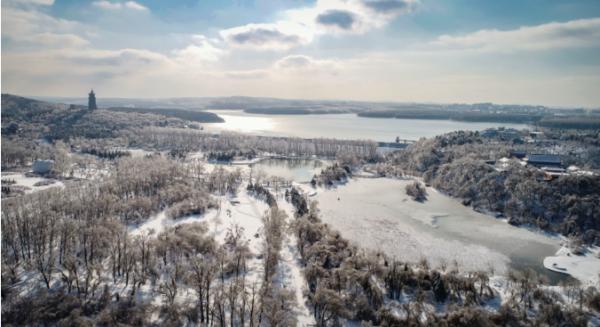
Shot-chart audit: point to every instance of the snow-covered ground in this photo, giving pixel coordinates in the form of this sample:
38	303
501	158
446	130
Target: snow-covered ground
585	268
242	210
245	211
137	153
377	214
29	182
289	272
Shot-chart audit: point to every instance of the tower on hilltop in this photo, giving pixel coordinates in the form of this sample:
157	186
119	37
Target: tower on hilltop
92	101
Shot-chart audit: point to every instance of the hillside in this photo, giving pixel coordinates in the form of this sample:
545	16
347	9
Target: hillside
469	167
28	118
197	116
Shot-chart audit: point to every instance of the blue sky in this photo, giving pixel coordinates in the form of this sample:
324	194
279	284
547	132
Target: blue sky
460	51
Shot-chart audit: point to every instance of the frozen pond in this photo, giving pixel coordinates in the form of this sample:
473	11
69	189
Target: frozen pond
377	214
342	126
298	170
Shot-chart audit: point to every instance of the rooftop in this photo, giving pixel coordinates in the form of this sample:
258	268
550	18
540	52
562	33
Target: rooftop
545	158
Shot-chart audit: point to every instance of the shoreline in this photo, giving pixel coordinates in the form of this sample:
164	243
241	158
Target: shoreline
581	267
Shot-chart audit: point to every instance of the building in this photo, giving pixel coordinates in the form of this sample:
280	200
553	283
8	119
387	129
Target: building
42	166
551	173
544	160
92	101
536	135
490	132
518	154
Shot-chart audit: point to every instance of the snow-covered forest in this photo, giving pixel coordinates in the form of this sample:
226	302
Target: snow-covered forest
172	225
458	164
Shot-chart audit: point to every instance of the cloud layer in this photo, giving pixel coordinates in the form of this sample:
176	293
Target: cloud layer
127	5
263	36
571	34
301	26
309	51
334	17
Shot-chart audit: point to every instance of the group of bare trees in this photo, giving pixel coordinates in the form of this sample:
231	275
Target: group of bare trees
331	175
76	241
278	305
193	140
75	246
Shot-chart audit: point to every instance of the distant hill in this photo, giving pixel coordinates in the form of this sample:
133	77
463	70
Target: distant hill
19	108
471	116
296	111
34	119
197	116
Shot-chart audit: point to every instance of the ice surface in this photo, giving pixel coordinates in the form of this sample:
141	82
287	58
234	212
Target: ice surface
377	214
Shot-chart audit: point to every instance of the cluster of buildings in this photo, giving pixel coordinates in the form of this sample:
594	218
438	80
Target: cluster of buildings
550	164
514	135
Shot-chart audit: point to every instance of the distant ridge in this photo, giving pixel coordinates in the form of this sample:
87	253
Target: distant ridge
197	116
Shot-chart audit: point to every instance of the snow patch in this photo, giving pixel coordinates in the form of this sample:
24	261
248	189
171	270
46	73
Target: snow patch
29	182
585	268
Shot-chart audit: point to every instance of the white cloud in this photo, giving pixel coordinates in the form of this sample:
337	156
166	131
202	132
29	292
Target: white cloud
201	51
278	36
32	27
134	5
248	74
57	40
570	34
108	5
18	22
349	16
300	63
29	2
53	56
390	7
300	26
119	60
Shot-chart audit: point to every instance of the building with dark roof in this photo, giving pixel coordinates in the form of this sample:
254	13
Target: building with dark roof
518	154
544	160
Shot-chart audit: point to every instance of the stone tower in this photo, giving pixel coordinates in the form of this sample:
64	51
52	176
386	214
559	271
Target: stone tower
92	101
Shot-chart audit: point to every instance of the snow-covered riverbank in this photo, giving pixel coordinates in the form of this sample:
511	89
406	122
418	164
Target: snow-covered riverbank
585	267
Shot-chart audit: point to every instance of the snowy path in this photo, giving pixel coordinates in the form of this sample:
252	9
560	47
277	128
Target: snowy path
289	272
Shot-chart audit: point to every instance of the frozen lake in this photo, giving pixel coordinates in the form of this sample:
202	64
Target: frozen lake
298	170
377	214
342	126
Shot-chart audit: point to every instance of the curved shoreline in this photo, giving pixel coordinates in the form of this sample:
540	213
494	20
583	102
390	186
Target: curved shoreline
581	267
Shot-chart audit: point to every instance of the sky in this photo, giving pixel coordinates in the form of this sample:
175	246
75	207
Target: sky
544	52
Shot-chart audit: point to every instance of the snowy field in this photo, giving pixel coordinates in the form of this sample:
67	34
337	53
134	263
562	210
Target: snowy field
29	183
377	214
